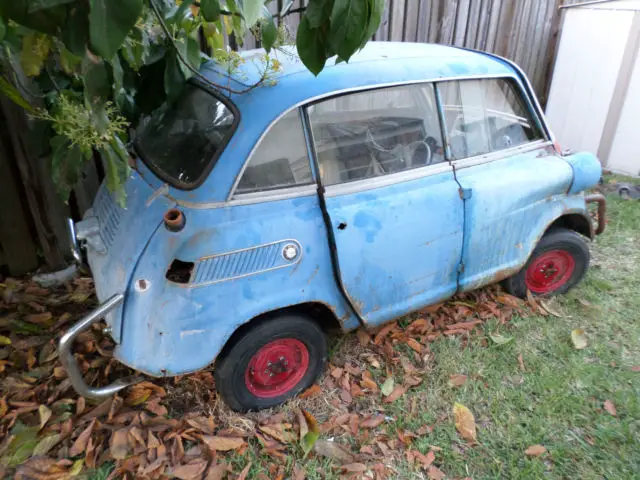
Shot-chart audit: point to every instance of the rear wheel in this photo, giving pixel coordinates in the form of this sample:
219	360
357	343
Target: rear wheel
558	264
271	362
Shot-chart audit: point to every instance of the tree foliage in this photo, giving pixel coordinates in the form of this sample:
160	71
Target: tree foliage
92	68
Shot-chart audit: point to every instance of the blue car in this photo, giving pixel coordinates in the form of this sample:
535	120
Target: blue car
257	222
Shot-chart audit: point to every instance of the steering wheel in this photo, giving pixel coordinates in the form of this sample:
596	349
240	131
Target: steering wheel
405	154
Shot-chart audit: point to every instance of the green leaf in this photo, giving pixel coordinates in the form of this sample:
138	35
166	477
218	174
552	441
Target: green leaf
14	95
375	17
180	13
213	35
115	158
387	386
3	29
136	49
117	74
268	32
35	5
173	77
499	339
349	18
318	12
21	446
251	11
210	10
311	43
48	20
312	434
35	50
66	165
46	444
97	80
189	47
5	340
75	32
109	23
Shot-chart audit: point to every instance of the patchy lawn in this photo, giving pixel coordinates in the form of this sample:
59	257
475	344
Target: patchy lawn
518	372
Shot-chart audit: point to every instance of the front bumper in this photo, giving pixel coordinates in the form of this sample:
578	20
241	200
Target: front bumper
65	352
602	211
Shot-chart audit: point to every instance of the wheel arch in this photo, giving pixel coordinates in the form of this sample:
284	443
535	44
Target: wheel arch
322	314
577	222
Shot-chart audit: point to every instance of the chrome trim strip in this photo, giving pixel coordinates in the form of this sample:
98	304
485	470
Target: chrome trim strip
234	252
65	352
253	198
337	93
364	185
75	246
498	155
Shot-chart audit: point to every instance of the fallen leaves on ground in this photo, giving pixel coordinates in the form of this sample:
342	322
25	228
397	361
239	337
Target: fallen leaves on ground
535	451
579	339
52	433
610	408
465	422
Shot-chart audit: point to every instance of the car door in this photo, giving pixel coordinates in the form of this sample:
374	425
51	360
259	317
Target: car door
514	182
391	196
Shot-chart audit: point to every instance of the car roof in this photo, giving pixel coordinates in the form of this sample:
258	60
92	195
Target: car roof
377	63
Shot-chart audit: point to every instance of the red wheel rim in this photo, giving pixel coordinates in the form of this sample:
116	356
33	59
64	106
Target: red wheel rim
277	368
550	271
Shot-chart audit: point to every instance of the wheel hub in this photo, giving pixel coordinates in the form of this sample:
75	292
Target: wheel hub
277	368
550	271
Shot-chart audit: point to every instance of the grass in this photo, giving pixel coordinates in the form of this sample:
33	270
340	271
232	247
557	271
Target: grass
556	401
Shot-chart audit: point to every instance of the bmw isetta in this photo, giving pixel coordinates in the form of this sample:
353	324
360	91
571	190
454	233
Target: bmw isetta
257	222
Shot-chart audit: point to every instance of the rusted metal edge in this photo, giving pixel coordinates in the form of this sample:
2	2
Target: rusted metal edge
602	210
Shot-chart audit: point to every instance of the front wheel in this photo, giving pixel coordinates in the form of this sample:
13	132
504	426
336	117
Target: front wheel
271	362
559	263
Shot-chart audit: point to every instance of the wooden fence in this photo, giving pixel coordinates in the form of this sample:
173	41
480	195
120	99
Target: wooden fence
32	218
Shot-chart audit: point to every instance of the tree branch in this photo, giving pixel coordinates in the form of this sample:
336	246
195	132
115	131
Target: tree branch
194	70
228	13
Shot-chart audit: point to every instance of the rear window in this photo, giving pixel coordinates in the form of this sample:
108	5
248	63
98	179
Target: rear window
181	141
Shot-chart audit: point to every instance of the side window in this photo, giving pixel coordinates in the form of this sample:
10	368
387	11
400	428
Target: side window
280	160
377	132
485	116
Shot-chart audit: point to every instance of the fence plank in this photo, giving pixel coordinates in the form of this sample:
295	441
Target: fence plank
397	20
424	17
411	20
16	243
462	16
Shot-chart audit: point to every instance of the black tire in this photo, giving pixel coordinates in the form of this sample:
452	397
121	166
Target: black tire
568	241
233	365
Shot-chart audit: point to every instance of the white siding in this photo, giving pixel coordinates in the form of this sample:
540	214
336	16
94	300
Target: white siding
589	58
625	152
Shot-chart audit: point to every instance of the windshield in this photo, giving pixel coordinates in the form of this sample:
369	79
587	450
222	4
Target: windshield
181	141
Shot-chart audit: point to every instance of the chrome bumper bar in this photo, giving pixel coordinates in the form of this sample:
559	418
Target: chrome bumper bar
65	352
602	211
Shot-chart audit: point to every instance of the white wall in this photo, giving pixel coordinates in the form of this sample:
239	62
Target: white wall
589	58
625	151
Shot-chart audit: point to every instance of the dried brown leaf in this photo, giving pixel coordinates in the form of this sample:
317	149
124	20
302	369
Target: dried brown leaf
222	444
363	337
380	336
610	408
434	473
465	422
535	451
217	472
80	444
372	422
119	444
311	391
44	413
457	380
332	450
414	345
190	471
354	467
397	392
244	472
521	363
